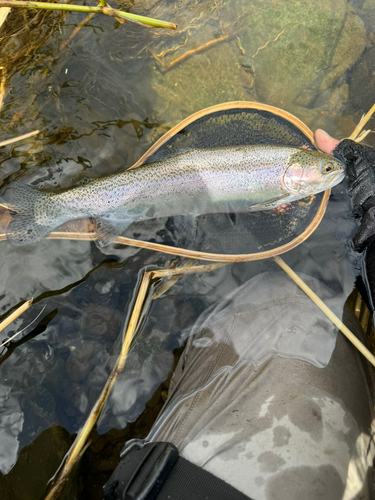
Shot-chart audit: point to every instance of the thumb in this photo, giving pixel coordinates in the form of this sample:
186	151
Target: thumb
325	142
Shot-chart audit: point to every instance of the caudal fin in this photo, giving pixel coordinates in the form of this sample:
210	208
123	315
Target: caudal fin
31	221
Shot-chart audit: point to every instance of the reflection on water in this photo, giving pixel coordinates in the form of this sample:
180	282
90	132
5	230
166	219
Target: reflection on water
100	103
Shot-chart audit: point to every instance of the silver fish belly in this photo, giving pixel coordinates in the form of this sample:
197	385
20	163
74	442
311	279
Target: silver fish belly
236	179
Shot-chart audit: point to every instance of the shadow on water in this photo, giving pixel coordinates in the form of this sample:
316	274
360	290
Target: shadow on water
100	103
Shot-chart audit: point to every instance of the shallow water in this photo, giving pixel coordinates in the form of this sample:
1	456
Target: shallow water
100	103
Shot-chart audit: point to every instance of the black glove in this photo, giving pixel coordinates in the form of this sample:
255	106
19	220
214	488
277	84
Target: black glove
360	171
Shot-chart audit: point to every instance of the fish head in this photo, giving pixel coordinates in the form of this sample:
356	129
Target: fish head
310	172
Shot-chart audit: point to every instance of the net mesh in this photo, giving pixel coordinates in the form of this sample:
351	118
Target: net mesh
239	233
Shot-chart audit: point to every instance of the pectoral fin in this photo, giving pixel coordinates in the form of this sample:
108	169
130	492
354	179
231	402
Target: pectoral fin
109	227
186	225
273	202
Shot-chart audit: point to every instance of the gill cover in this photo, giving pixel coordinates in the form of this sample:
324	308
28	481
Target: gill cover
312	172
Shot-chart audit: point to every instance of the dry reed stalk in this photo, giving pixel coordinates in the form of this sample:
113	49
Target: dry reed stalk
81	25
80	442
4	11
19	138
358	305
173	275
189	53
76	31
187	269
326	310
7	321
171	280
356	135
3	73
23	329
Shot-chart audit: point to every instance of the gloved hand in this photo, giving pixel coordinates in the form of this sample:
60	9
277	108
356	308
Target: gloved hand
360	171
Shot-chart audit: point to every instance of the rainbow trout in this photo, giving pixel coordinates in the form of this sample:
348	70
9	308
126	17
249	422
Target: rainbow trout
234	179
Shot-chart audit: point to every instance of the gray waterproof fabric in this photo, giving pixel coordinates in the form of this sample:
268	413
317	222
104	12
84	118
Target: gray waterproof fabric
269	398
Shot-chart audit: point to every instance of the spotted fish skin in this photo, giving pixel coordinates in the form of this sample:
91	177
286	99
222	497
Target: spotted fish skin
236	179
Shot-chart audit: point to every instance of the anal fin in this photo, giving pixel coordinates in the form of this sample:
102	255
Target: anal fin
109	226
185	226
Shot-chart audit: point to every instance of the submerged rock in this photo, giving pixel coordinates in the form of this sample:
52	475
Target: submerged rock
362	84
194	67
36	464
366	10
299	49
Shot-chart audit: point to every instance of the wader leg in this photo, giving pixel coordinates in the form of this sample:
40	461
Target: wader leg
267	397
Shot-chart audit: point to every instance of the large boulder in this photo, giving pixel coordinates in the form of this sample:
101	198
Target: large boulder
310	45
281	53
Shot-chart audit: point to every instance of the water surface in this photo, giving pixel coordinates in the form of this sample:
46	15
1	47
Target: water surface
100	103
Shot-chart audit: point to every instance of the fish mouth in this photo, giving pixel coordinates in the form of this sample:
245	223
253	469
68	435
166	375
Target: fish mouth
336	178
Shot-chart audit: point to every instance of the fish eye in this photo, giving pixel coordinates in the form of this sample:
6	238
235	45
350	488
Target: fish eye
328	168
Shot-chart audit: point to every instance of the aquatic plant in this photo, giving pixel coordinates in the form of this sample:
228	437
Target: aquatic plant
102	8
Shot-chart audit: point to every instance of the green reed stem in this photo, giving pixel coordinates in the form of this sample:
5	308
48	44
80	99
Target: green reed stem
99	9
